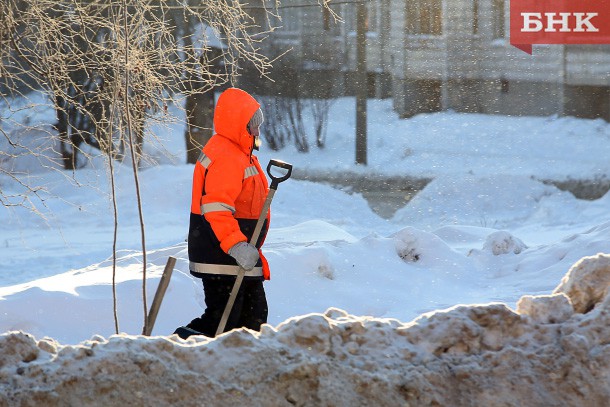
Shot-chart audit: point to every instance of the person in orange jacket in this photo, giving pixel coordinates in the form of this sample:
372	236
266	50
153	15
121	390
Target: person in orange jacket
229	190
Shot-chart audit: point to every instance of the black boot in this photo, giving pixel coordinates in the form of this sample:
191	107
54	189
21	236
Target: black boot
184	332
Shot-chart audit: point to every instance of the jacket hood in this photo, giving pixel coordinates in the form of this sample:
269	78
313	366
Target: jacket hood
233	111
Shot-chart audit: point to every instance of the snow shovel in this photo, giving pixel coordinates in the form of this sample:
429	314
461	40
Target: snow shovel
275	181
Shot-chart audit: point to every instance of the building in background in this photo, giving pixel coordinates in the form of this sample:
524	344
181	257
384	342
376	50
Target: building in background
432	55
460	58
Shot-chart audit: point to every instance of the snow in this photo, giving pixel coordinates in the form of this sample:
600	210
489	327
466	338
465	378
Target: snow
489	275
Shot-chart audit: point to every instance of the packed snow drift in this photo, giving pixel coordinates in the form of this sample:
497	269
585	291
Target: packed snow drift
553	350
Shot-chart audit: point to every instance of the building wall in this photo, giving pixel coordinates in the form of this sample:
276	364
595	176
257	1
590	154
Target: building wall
469	66
479	72
412	96
587	101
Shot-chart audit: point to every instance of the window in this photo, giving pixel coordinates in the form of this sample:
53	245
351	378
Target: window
371	16
290	17
350	15
424	17
498	18
504	85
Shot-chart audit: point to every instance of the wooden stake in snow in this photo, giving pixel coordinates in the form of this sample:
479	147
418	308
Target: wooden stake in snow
154	308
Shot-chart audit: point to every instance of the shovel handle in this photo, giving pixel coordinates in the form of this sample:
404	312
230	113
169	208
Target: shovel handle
254	238
281	164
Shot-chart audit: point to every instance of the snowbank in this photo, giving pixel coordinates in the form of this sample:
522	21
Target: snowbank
552	351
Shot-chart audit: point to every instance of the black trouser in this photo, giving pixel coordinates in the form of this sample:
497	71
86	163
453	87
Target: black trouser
249	309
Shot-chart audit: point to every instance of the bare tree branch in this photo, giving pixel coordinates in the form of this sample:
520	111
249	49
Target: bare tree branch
110	69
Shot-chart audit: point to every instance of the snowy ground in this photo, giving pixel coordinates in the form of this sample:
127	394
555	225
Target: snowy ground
484	230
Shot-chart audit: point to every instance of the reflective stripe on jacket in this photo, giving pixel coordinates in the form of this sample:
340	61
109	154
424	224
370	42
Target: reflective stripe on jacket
229	189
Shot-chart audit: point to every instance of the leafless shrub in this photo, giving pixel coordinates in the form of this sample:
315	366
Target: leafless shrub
109	67
319	112
75	50
284	122
274	128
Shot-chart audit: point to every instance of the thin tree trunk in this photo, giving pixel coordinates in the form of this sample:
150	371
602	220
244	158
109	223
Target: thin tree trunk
200	120
132	151
110	113
200	105
114	236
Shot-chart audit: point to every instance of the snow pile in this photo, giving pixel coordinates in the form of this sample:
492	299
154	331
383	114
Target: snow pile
552	351
546	309
587	282
451	200
502	242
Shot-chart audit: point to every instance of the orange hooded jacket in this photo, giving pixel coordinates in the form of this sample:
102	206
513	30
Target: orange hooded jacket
229	190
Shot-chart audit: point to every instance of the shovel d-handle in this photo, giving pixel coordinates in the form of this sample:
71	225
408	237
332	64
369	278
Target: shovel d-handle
281	164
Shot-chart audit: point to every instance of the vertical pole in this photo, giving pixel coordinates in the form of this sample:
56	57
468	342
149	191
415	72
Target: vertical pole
447	33
361	84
